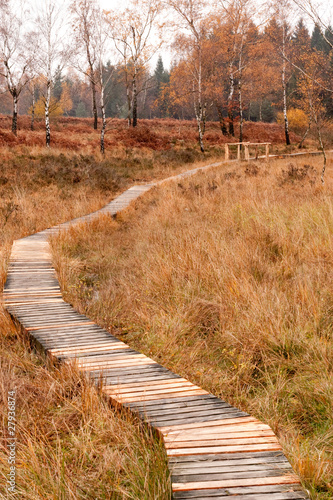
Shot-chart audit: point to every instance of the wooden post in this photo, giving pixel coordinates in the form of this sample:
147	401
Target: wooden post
267	151
226	147
247	153
238	151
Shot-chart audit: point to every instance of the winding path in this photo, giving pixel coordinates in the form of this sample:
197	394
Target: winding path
214	450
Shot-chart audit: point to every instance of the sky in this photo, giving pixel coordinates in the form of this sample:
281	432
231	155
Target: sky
164	52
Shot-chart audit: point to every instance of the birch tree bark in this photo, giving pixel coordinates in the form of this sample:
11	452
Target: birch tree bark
190	13
84	13
17	50
53	52
284	86
132	35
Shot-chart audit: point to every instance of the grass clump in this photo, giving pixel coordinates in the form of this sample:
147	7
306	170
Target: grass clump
226	278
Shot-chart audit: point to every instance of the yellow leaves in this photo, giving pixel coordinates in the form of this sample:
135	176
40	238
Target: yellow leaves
297	118
57	108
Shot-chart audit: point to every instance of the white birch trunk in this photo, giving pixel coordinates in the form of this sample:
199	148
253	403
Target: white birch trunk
230	98
47	113
284	86
15	112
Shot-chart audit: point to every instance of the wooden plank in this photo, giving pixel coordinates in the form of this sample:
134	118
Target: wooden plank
176	401
149	384
224	449
223	429
91	347
219	437
202	409
202	459
225	475
229	483
198	419
147	398
230	441
227	466
31	329
222	493
216	423
142	387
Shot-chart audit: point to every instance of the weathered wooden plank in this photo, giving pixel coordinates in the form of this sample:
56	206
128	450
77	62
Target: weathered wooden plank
198	419
161	396
224	449
176	401
213	467
30	329
219	430
210	424
226	475
218	442
222	493
259	457
229	483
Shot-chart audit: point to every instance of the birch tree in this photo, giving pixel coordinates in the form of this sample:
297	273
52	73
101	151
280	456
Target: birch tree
86	37
190	19
53	51
17	50
102	50
278	31
132	32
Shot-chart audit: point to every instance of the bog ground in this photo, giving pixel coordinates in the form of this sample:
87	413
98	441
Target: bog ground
224	278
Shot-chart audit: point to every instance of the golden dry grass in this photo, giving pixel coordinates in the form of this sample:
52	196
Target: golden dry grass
71	444
226	278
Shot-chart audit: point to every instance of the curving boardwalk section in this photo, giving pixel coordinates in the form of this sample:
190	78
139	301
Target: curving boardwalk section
214	450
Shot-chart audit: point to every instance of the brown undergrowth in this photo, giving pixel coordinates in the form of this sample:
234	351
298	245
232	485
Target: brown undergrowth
78	135
226	278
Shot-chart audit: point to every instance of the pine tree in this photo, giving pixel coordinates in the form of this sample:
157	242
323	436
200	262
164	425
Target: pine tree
57	84
317	39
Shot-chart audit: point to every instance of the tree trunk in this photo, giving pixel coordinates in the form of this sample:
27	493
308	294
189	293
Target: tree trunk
305	134
47	114
135	101
103	120
32	124
201	134
321	144
94	105
221	119
260	110
230	98
284	86
15	109
240	99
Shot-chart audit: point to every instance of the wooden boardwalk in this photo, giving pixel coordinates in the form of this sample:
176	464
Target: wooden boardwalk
214	450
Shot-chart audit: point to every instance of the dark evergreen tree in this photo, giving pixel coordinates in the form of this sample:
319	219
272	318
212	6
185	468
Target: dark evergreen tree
57	84
161	77
317	40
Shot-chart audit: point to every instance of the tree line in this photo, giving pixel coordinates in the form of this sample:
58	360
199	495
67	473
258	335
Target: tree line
232	60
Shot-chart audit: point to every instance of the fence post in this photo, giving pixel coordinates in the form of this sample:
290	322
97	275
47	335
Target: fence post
226	147
247	153
238	151
267	151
